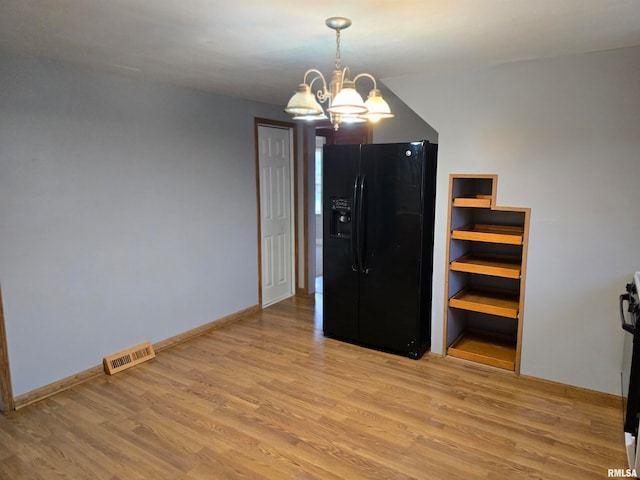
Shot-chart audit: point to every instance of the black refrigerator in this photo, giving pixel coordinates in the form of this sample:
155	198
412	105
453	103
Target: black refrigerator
378	220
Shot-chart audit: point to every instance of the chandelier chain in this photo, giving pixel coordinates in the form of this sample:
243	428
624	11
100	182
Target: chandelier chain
338	59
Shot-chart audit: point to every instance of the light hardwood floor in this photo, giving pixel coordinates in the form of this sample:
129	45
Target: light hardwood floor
270	398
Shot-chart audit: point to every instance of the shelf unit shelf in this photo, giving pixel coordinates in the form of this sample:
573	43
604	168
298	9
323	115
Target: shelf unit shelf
508	234
483	348
479	201
494	265
491	302
484	284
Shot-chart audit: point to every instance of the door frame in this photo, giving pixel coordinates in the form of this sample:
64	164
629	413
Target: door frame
293	131
6	391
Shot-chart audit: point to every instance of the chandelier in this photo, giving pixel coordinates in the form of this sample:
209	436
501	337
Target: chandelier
344	103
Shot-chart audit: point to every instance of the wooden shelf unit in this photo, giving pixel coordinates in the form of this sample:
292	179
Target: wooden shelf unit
484	283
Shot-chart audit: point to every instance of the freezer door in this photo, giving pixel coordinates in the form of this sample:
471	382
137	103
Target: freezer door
340	280
390	288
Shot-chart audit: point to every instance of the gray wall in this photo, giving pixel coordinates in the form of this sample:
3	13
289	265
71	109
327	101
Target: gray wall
563	135
127	213
405	126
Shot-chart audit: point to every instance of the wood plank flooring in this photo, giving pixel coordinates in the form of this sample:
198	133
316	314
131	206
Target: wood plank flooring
270	398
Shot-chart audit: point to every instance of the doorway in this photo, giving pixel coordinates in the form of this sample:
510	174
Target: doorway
321	140
275	173
325	135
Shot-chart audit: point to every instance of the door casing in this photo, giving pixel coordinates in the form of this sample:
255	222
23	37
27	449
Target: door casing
6	392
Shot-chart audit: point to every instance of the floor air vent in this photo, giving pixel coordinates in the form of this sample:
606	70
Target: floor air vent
128	358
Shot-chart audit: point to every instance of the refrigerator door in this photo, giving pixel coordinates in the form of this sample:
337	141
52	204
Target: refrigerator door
392	314
340	280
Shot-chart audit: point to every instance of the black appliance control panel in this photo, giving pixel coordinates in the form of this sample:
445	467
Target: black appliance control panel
341	204
340	221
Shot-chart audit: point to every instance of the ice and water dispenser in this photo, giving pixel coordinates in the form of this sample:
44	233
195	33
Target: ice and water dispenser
340	223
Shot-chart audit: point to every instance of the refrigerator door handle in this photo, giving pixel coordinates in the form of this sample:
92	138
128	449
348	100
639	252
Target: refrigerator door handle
361	225
354	228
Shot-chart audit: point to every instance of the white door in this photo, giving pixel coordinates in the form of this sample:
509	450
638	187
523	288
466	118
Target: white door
275	160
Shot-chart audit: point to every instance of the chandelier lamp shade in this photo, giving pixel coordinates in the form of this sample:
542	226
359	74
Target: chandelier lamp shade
343	103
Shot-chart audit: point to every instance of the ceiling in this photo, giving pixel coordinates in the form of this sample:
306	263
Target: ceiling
259	50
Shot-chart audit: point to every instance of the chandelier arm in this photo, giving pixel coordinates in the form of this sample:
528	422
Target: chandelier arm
368	75
322	94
